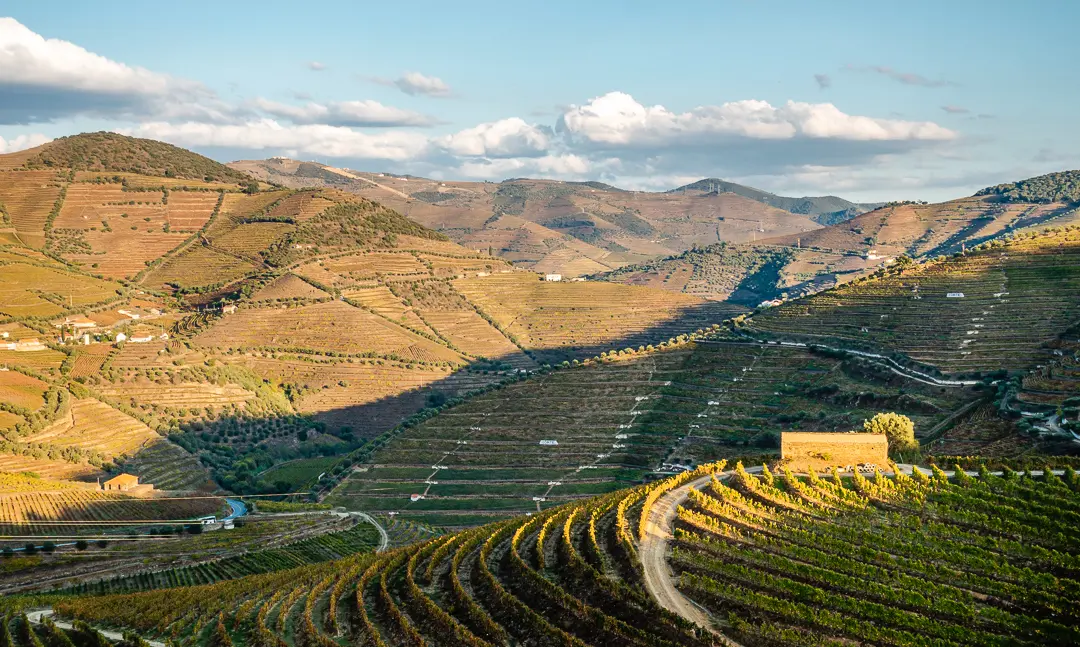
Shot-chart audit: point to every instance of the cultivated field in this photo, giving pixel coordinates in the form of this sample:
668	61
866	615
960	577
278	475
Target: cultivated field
1015	298
582	574
24	289
323	327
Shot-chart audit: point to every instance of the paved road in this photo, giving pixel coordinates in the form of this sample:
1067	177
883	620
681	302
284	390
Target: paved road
35	618
384	539
239	509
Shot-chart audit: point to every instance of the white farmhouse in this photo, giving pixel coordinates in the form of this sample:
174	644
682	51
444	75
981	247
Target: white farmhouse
553	277
955	295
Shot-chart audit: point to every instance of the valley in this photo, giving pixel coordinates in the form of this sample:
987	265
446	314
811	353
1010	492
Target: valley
351	424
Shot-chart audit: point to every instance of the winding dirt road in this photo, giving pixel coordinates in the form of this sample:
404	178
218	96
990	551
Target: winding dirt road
653	553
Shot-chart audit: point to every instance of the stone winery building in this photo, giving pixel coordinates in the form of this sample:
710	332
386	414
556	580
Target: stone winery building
800	450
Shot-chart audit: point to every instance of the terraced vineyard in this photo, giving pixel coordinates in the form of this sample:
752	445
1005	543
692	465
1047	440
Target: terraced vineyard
906	561
77	509
574	575
1007	302
585	430
358	537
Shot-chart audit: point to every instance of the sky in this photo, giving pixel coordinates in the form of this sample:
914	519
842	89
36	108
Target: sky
871	101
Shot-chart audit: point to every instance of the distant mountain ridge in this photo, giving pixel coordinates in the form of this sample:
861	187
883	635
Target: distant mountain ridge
826	210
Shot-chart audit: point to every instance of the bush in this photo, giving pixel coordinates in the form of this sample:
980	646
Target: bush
898	428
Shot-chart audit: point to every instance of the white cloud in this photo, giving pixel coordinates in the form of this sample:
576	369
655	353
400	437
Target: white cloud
616	119
48	79
268	135
316	66
417	83
344	113
504	138
22	142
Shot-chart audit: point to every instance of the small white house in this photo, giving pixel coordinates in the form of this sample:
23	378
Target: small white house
141	339
228	310
955	295
553	277
549	443
121	337
415	497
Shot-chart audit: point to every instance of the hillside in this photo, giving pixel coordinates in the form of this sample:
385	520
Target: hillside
835	254
597	573
997	306
1063	187
825	210
109	152
744	275
570	228
263	324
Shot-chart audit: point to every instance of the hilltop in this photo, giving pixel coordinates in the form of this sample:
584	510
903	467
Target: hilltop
1063	187
825	210
570	228
110	152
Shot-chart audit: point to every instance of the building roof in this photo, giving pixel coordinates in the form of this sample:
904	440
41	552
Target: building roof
123	479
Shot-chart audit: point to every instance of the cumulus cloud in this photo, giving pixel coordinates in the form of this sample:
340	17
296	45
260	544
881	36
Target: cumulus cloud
44	80
268	135
316	66
504	138
415	83
22	142
616	119
907	78
823	81
360	114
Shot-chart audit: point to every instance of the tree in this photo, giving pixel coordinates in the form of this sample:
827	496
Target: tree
251	187
898	428
81	545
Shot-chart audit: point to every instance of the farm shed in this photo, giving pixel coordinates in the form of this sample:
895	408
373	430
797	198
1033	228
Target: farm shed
800	450
121	483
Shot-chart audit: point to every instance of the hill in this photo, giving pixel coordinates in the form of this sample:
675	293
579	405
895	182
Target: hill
996	306
262	324
597	572
569	228
1061	187
110	152
828	256
825	210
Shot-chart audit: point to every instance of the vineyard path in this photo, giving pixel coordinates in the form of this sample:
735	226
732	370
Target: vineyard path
653	551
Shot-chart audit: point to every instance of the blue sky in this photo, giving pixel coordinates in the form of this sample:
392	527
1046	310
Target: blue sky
872	101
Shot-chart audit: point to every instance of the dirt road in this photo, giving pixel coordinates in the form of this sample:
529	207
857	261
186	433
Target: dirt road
659	579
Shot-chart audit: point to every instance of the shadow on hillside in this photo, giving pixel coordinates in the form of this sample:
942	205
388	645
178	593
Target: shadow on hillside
344	429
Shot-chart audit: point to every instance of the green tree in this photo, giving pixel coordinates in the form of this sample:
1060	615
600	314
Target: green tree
251	187
897	428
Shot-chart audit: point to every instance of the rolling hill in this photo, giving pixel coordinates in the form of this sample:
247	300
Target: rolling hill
572	228
801	264
825	210
262	324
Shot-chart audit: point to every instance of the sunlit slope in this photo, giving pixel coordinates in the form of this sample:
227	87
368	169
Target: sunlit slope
582	574
1017	296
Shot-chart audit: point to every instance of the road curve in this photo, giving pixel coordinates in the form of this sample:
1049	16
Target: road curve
384	539
652	551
